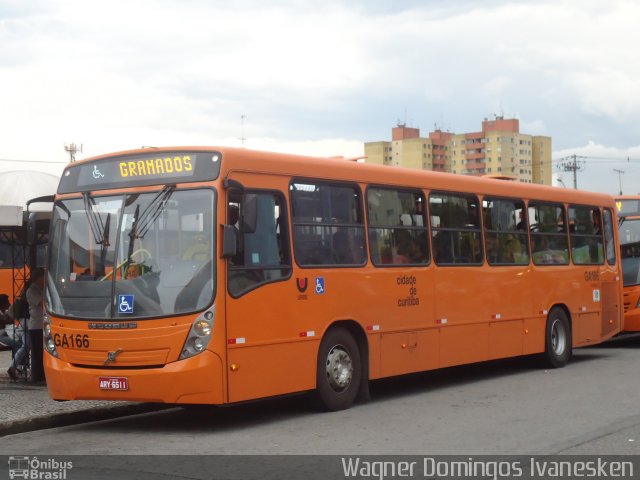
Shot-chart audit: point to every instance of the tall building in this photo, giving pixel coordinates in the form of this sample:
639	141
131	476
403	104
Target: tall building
498	149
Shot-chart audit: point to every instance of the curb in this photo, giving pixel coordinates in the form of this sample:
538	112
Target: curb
64	419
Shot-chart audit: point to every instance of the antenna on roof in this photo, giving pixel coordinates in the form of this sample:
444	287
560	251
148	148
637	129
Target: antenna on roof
72	149
242	137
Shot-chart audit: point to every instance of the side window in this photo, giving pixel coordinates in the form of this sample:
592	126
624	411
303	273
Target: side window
397	229
609	241
12	256
505	232
263	255
585	227
455	229
549	242
328	226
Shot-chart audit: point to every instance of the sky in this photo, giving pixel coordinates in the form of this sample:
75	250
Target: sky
318	78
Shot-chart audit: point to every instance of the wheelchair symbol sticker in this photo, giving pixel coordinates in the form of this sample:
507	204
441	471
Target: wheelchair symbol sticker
125	303
319	285
97	173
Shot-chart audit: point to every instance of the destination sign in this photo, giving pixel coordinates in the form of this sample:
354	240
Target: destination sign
159	168
628	207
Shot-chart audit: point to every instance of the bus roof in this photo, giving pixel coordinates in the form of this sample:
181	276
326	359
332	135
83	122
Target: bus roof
245	160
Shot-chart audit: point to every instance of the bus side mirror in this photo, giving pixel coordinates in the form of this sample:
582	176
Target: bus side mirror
249	213
32	235
229	241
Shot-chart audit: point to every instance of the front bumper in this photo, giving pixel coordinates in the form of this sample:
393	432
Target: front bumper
198	379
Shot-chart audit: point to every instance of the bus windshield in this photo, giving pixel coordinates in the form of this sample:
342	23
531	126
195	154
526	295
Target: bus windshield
630	250
132	256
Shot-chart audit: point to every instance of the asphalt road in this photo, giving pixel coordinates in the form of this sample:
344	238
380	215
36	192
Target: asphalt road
592	406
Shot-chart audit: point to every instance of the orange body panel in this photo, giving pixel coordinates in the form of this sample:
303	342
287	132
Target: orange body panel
196	380
631	310
626	206
411	318
6	281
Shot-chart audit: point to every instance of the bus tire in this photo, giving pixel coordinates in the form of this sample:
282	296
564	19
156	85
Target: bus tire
557	348
339	370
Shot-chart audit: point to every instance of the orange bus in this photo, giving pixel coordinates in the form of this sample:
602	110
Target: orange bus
217	275
628	210
11	257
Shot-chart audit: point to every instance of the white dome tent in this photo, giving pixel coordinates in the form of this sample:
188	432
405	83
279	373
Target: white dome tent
17	188
19	213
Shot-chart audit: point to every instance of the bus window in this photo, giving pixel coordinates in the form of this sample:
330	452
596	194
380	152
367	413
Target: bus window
549	243
11	256
263	256
397	227
587	246
629	236
455	229
95	240
608	237
506	242
328	226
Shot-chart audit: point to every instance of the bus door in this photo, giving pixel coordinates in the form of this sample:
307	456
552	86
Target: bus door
593	251
264	351
611	279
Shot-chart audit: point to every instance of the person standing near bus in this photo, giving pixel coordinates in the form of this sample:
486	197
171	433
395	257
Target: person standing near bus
5	319
35	298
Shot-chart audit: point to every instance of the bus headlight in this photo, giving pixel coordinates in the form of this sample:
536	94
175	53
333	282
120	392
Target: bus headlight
49	344
638	304
199	335
202	328
198	344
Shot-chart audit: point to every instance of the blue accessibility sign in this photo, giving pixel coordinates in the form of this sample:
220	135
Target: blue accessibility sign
125	303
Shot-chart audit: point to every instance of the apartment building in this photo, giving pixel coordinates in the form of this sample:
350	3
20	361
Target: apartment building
498	149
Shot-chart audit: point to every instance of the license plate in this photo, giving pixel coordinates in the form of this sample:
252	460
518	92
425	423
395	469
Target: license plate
113	383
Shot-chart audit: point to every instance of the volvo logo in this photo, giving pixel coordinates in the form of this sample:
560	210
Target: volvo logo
111	356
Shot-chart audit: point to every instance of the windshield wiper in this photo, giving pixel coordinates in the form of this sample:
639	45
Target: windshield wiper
105	245
142	222
95	222
148	216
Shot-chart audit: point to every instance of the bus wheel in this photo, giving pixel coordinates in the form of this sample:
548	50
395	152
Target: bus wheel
339	371
557	350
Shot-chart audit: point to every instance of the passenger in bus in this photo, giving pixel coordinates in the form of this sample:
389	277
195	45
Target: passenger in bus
133	271
545	251
198	250
442	242
597	226
409	250
512	252
491	246
234	215
233	219
346	249
522	224
400	248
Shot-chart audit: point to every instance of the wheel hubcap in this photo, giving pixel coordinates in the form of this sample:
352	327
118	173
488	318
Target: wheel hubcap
339	368
558	337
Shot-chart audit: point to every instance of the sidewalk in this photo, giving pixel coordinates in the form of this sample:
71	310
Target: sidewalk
25	407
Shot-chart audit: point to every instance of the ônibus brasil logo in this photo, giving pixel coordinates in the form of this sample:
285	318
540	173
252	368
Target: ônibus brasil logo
33	468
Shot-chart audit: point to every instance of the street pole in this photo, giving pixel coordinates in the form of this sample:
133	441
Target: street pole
572	166
620	173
